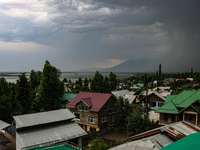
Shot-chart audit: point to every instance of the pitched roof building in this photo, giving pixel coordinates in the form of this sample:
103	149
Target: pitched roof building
93	111
184	106
125	94
45	128
66	98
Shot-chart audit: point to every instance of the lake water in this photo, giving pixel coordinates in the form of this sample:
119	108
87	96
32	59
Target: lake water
73	76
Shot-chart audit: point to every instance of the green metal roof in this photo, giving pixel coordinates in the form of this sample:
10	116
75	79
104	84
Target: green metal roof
190	142
139	84
178	103
169	98
168	107
68	96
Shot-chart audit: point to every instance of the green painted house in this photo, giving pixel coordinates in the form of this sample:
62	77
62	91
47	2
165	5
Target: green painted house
66	98
184	106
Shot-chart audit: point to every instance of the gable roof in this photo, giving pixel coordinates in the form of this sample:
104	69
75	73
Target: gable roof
42	118
155	93
49	134
178	103
95	100
87	101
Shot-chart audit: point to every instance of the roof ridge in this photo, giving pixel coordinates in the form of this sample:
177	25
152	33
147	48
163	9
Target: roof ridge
96	93
195	92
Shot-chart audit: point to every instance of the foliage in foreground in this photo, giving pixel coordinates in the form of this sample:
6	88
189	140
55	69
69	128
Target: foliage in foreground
138	122
132	118
98	144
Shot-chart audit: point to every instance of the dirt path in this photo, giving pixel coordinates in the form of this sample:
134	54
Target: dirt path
114	137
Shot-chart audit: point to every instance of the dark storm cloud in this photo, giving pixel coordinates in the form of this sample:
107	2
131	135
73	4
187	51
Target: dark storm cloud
94	33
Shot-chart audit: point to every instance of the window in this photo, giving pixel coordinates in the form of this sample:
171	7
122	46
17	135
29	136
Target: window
112	106
82	116
83	107
104	119
152	104
106	107
91	120
153	97
113	118
77	115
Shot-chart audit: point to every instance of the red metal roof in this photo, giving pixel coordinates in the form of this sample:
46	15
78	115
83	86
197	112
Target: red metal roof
94	100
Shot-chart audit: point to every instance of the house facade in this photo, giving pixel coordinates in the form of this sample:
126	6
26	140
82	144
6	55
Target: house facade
154	99
93	111
185	106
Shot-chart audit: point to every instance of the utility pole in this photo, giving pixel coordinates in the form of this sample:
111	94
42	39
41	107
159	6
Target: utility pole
146	86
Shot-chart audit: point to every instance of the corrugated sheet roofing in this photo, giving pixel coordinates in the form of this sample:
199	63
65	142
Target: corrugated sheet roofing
3	125
42	118
97	100
176	104
121	93
159	137
190	142
45	134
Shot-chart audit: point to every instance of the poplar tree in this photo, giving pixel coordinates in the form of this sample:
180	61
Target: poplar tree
50	89
23	93
113	81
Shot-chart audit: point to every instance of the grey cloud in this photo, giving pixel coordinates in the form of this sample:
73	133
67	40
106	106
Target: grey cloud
84	32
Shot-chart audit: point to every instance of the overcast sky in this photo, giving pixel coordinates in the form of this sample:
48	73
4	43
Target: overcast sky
83	34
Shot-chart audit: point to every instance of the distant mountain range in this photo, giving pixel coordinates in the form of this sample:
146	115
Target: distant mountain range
136	65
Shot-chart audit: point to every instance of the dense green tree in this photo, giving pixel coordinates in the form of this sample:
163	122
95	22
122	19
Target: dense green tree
97	83
50	88
113	81
85	85
22	94
34	78
106	85
123	110
64	80
80	82
138	121
6	104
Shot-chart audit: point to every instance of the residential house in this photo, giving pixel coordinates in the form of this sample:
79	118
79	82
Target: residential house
93	111
45	128
66	98
167	81
125	94
156	97
159	137
184	106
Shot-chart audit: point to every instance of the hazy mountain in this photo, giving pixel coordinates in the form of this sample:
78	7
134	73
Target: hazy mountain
137	65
